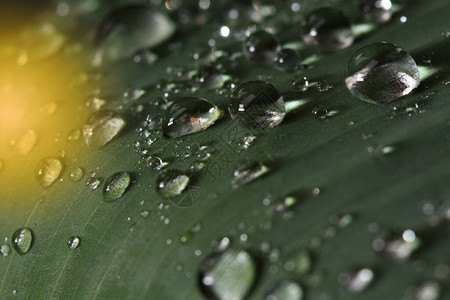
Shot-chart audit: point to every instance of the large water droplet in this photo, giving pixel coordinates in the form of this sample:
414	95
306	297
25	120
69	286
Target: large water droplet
261	47
48	170
126	30
73	242
381	73
286	290
327	29
246	175
189	115
228	275
115	186
22	240
299	263
257	105
429	290
102	127
171	183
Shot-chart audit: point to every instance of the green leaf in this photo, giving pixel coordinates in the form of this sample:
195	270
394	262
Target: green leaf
387	167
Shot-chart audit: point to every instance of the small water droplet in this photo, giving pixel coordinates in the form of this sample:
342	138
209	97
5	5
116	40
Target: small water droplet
5	250
327	29
145	213
76	174
102	127
286	290
228	275
429	290
26	142
299	263
189	115
378	11
115	186
321	113
261	47
248	174
381	73
73	242
186	238
323	86
47	171
21	240
74	135
300	84
358	281
93	183
287	60
171	183
257	105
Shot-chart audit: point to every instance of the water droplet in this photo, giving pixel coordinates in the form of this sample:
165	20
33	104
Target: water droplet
261	47
47	171
327	29
246	175
286	290
257	105
102	127
398	249
287	59
378	11
93	183
48	108
74	135
22	240
228	275
189	115
26	142
358	281
186	238
126	30
4	250
429	290
300	84
115	186
322	113
381	73
299	263
145	213
171	183
76	174
73	242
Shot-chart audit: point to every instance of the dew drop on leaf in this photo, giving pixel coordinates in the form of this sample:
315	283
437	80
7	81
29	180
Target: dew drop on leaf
76	174
22	240
257	105
327	29
26	142
248	174
102	127
378	11
286	290
261	46
189	115
358	281
73	242
115	186
429	290
287	60
4	250
228	275
171	183
300	84
47	171
381	73
299	263
126	30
